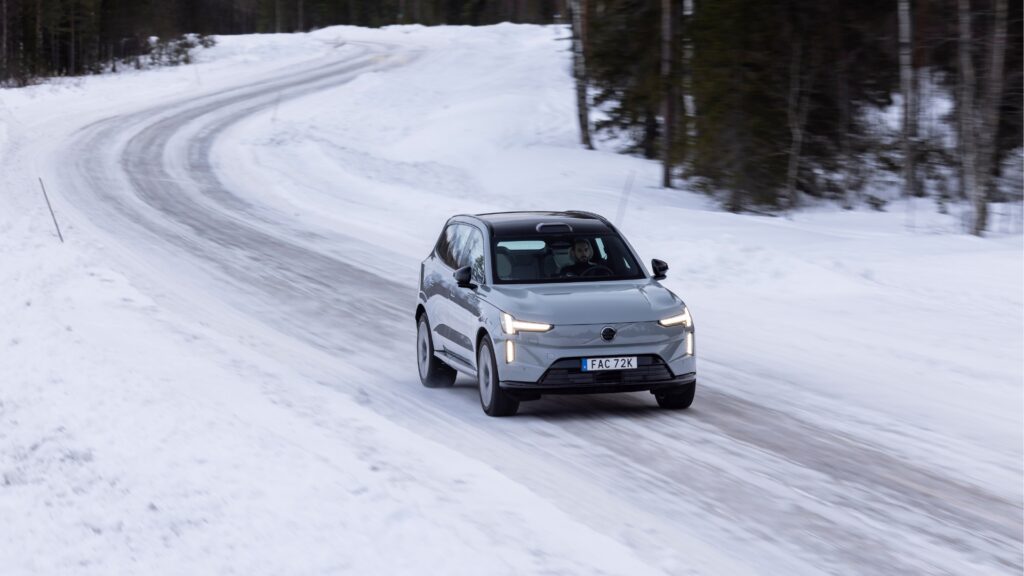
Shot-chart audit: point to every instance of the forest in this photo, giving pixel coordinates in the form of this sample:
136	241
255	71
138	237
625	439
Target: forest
763	105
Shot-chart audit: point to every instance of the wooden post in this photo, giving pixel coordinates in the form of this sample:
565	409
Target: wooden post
52	215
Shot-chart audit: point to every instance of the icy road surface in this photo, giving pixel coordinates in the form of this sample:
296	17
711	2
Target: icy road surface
833	432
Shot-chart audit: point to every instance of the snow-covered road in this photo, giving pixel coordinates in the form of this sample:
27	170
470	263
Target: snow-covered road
204	200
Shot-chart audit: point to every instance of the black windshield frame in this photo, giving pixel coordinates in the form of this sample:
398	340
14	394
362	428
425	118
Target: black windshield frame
613	243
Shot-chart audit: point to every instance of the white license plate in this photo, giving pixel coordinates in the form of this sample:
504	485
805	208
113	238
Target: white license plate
611	363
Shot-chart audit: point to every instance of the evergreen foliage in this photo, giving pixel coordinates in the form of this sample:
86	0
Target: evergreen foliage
71	37
760	70
775	100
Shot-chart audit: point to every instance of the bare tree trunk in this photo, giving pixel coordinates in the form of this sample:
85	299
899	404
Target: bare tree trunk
3	41
579	68
71	45
909	106
38	64
300	16
993	99
796	112
668	57
278	23
848	180
842	95
969	128
689	124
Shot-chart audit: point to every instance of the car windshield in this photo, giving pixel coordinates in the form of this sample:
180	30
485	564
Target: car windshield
563	258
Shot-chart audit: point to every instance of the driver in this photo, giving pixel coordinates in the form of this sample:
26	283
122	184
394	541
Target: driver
581	253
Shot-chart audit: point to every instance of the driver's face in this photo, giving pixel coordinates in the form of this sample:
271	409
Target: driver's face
582	251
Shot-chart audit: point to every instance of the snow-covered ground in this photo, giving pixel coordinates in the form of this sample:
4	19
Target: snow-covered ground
214	374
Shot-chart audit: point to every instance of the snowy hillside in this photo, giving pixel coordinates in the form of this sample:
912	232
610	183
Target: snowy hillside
215	373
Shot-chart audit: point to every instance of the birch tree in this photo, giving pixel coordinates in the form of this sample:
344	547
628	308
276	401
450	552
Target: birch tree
993	98
669	9
689	111
579	68
979	128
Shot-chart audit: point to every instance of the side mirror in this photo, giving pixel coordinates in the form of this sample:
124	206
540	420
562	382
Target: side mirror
660	268
464	277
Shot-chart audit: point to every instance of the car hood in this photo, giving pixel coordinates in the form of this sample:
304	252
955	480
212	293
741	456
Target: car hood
586	303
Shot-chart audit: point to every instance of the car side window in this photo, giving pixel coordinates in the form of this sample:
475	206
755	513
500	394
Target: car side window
447	246
460	236
472	254
463	245
442	244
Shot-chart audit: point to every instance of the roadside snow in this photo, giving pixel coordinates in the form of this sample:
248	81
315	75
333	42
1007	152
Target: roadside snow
134	441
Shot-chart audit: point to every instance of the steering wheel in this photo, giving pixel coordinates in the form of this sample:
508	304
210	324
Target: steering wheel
594	269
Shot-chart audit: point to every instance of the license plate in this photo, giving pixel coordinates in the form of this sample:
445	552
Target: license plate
611	363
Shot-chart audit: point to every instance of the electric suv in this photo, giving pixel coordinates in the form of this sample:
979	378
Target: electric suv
535	303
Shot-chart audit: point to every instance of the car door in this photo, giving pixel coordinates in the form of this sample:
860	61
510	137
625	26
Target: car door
439	286
465	310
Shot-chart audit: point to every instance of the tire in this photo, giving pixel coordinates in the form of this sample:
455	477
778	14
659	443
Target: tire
679	399
433	372
493	400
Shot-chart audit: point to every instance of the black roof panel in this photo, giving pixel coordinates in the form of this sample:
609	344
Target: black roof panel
526	223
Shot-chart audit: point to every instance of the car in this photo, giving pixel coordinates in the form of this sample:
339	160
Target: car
537	303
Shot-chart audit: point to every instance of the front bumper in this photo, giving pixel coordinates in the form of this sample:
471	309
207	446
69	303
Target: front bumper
549	362
604	382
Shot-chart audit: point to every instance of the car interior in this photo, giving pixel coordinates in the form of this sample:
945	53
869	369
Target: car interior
552	259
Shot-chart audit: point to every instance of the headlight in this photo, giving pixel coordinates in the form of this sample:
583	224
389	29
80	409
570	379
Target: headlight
510	325
679	319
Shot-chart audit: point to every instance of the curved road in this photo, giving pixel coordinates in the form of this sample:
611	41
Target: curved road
765	487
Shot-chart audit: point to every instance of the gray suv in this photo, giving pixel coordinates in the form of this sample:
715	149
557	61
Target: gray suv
534	303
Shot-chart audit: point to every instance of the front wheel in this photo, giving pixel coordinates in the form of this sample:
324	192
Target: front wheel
494	401
433	372
678	399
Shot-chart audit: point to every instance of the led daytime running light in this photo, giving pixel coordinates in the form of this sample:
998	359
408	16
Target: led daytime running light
679	319
510	325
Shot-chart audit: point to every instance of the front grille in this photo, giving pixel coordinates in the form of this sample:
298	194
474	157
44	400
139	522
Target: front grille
568	372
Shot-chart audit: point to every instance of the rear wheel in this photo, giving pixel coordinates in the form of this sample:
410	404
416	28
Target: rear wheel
494	401
433	372
678	399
